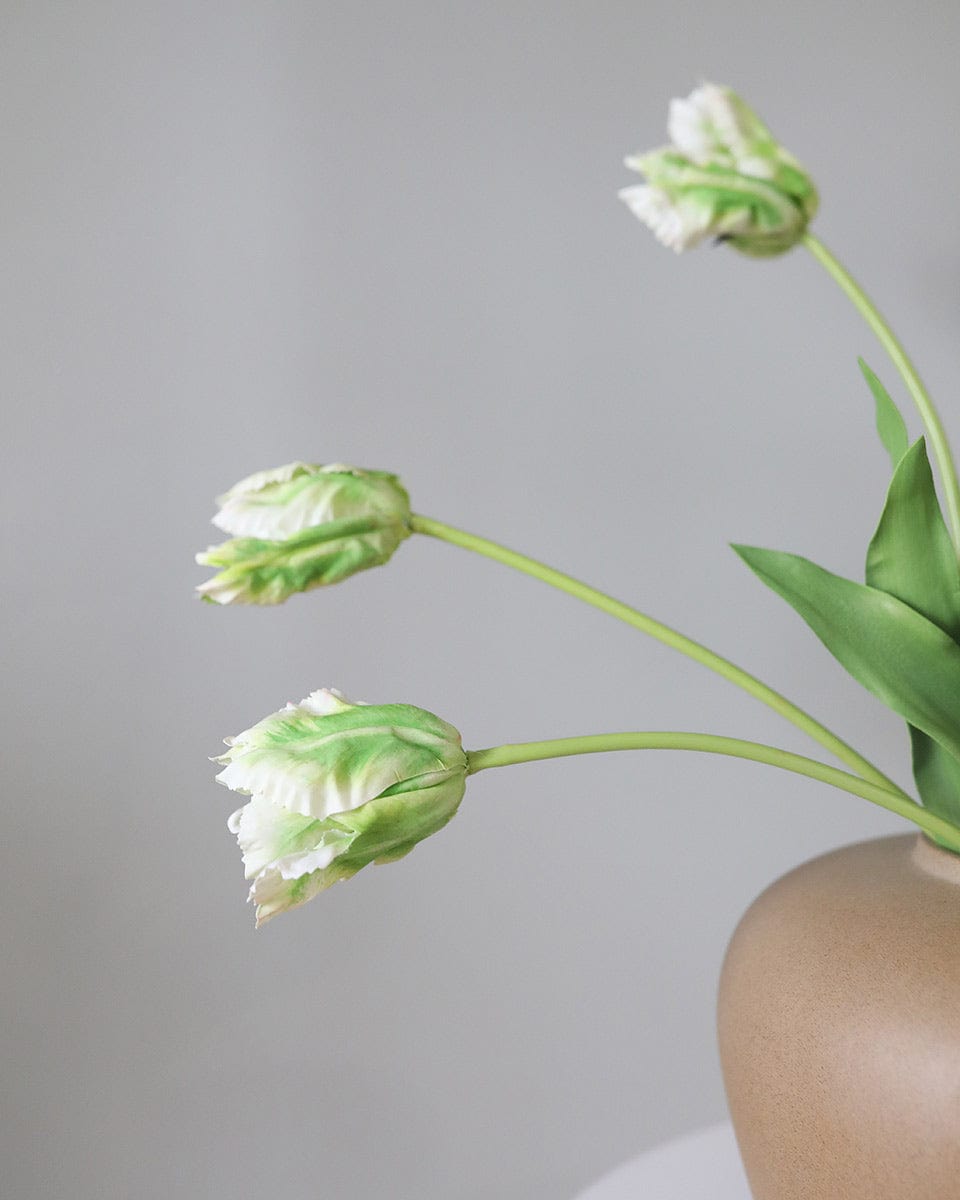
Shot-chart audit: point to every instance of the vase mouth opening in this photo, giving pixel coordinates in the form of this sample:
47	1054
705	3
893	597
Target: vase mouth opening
935	860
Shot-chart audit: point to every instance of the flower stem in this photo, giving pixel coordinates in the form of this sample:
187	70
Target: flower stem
915	386
502	756
670	637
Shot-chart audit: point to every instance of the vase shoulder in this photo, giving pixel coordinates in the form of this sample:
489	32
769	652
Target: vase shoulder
839	1024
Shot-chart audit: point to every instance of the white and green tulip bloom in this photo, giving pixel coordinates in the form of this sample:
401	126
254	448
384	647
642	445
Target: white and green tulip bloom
334	786
724	176
301	526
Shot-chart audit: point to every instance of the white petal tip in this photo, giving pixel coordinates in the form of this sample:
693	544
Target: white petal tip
325	701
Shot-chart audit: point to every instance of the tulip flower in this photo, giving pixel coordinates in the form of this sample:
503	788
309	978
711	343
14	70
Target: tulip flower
724	176
334	786
302	526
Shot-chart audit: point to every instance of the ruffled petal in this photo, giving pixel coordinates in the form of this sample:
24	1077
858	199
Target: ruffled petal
322	765
268	834
273	893
279	503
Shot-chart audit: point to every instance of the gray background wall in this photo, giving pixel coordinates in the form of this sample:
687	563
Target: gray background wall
237	234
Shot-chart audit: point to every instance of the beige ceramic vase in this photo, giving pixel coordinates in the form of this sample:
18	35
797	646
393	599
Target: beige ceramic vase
839	1024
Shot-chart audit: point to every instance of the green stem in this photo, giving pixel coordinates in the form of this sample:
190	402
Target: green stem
885	335
663	633
895	801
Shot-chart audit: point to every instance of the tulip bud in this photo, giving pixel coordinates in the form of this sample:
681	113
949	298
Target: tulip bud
301	526
335	786
724	176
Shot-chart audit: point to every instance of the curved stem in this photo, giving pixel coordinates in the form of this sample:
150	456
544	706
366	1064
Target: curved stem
885	335
663	633
507	755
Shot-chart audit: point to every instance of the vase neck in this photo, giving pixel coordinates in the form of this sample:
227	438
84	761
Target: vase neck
932	859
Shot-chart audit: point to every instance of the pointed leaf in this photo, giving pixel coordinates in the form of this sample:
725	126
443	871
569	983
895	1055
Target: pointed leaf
902	658
890	424
937	775
912	557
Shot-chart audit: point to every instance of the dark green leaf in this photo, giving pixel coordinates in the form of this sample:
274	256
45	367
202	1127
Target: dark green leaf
902	658
912	557
937	775
890	424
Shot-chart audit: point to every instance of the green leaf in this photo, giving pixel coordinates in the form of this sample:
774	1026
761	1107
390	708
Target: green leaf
905	660
890	424
937	775
911	557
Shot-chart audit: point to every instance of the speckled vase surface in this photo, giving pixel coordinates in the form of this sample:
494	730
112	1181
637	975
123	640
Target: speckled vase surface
839	1026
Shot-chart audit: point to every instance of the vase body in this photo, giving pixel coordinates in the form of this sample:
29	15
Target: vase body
839	1027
